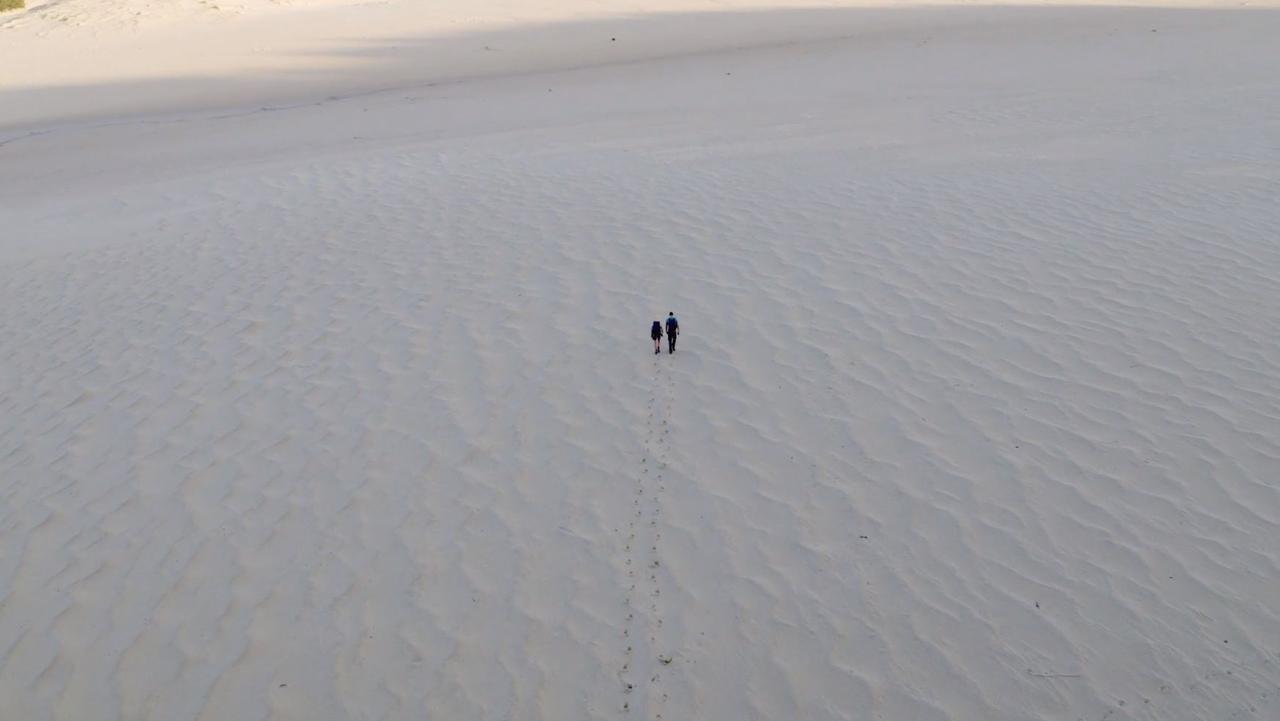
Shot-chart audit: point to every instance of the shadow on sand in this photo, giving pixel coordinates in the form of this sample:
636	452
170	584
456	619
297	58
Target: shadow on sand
360	67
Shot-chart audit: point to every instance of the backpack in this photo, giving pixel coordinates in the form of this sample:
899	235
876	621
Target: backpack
656	330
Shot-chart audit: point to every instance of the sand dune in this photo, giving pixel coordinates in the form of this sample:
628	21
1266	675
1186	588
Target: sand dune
75	60
348	411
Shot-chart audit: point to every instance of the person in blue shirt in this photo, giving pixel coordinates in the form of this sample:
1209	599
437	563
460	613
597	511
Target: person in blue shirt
656	334
673	330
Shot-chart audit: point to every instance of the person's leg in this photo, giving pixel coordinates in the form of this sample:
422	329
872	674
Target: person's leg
657	345
671	343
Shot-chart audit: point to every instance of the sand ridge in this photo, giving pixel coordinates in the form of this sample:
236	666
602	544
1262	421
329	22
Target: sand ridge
78	61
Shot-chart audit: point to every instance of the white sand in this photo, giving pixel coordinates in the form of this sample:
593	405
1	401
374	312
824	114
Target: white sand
346	409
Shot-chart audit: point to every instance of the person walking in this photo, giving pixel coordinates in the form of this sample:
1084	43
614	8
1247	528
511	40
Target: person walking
656	334
673	330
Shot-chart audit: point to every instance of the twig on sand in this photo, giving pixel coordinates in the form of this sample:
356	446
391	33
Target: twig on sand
1050	674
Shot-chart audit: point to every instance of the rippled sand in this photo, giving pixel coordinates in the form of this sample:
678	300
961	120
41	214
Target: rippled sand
348	411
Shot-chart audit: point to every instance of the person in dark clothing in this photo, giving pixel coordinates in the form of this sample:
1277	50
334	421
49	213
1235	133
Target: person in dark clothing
656	334
673	330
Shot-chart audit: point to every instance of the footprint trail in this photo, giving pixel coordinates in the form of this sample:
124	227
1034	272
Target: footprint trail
643	660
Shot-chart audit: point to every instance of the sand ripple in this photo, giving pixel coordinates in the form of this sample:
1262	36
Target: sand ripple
956	431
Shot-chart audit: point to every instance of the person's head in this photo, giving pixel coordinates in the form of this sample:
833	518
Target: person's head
672	314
